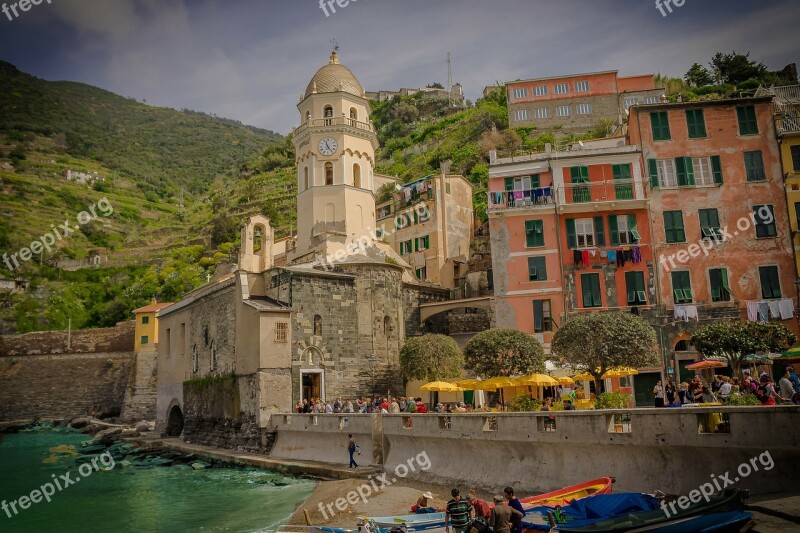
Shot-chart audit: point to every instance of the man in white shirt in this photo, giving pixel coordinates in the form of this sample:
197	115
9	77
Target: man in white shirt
787	390
725	388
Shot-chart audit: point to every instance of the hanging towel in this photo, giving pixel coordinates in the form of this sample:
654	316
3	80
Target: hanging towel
621	258
637	254
593	253
585	257
752	311
577	256
763	312
680	313
786	307
691	312
612	256
603	253
774	308
518	195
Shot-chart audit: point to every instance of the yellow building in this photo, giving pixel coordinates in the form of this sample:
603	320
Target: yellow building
146	330
430	223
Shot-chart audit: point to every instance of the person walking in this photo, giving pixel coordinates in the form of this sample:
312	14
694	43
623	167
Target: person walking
457	513
351	448
669	392
514	503
502	516
658	393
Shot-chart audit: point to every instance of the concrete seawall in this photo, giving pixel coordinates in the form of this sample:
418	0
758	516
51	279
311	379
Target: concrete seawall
671	450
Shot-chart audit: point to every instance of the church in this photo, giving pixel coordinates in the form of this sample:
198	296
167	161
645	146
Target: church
321	315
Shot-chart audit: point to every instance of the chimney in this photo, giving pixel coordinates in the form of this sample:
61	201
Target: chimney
492	156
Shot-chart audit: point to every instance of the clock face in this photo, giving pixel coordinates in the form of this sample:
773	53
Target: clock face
327	146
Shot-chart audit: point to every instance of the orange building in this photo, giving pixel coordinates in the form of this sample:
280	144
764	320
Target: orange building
719	215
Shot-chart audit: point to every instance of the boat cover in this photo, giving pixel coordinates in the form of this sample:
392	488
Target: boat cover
587	511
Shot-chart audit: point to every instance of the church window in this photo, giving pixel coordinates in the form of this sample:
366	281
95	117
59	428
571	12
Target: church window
258	239
281	332
205	335
328	112
353	116
213	356
357	176
328	173
387	325
308	116
317	326
305	172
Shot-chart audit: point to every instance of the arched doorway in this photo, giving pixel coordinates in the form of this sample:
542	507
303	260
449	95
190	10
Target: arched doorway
175	422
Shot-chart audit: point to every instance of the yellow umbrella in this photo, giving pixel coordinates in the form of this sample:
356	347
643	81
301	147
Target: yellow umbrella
440	386
500	382
583	376
538	380
468	384
620	372
566	380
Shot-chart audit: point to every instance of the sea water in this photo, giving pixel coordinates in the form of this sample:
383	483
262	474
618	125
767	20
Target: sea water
135	499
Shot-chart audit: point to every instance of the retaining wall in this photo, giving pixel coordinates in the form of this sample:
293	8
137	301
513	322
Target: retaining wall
324	437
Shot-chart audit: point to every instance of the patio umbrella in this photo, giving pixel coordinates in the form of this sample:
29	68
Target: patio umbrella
583	376
794	351
468	384
566	380
538	380
708	363
440	386
498	383
620	372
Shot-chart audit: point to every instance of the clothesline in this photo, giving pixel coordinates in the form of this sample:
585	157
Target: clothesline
761	310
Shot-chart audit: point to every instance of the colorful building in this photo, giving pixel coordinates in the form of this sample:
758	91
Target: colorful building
429	223
146	328
720	223
577	102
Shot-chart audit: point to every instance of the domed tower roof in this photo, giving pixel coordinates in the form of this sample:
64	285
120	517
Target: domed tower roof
334	77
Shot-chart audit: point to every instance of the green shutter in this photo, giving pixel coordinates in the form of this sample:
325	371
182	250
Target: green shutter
572	238
529	233
535	181
633	229
538	316
614	229
689	172
599	232
509	184
716	167
652	164
685	170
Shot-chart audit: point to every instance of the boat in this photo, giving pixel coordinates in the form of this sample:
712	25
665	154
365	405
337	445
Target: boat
724	512
567	495
417	522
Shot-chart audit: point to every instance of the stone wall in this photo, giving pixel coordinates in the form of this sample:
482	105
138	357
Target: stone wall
116	339
140	394
63	385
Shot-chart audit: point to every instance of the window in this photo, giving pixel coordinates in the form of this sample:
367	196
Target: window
145	339
521	114
542	319
561	88
281	332
422	273
328	173
581	86
525	183
540	90
422	243
590	286
213	356
145	320
387	325
666	174
584	230
521	92
562	111
537	269
168	342
651	100
630	102
623	183
305	176
634	285
317	326
703	175
328	114
542	112
754	166
795	150
696	122
195	359
709	224
720	290
534	233
356	176
770	282
748	124
580	175
583	109
353	115
659	120
673	226
764	217
405	247
682	287
623	229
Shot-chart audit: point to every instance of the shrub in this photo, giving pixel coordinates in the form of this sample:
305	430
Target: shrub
613	400
744	399
524	403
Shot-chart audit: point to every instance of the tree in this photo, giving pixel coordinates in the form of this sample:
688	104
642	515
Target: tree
736	340
698	76
597	342
735	68
503	352
431	358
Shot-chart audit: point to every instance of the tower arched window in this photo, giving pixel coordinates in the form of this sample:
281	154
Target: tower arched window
353	116
213	356
328	114
387	325
258	239
356	175
308	116
328	173
305	173
317	326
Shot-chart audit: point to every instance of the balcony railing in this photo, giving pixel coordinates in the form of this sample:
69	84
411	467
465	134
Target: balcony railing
334	121
542	197
604	191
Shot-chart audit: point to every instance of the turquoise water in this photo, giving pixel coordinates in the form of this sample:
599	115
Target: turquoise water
132	499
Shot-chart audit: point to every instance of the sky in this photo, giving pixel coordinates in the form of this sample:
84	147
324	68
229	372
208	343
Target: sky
250	60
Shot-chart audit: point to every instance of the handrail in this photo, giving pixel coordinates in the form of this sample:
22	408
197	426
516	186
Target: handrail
334	121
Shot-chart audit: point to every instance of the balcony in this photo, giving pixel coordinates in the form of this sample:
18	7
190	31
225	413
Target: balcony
541	197
600	195
334	121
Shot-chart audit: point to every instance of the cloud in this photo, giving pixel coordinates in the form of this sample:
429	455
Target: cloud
116	20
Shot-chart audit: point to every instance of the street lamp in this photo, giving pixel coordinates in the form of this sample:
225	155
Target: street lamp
373	360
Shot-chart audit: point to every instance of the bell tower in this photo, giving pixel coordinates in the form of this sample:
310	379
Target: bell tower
335	146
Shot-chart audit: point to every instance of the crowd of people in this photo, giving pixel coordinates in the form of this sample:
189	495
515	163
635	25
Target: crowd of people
723	388
385	405
462	514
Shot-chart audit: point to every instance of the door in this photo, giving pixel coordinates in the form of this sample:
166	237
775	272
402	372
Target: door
312	385
643	388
